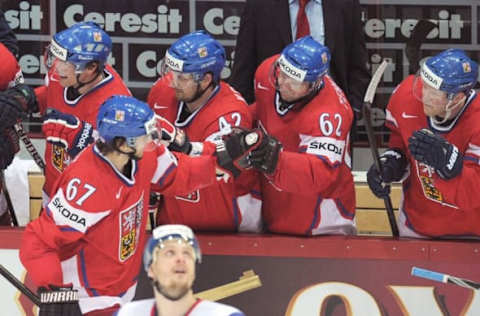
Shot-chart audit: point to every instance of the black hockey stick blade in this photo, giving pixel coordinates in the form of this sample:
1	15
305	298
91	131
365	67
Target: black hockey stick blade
417	38
28	144
367	104
11	210
19	285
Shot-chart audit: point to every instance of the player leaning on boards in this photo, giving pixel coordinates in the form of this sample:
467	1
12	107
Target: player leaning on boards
434	148
89	233
307	187
191	95
169	260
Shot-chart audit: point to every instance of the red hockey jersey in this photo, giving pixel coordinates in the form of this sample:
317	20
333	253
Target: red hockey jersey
226	206
433	206
91	233
311	191
85	107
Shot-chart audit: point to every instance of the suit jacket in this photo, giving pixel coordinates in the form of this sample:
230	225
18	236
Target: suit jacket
265	30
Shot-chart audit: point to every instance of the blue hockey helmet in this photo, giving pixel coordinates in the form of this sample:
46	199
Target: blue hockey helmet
80	44
451	71
305	60
163	233
197	53
125	116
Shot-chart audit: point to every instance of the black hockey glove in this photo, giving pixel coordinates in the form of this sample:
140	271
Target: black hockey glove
9	146
15	104
394	164
435	151
58	301
265	157
233	151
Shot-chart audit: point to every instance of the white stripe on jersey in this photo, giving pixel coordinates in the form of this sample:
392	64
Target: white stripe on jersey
389	117
64	214
473	149
332	221
251	210
87	303
328	147
164	162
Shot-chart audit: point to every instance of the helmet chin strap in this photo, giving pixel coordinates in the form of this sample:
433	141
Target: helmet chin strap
76	89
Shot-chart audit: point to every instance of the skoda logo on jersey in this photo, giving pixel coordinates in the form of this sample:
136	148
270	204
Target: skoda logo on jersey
58	51
430	78
69	215
174	63
291	71
326	146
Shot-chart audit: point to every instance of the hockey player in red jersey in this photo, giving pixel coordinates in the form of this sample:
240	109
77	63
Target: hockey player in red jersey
434	148
307	188
191	95
91	233
169	261
79	80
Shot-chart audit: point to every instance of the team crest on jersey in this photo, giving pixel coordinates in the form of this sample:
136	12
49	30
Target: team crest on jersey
425	174
130	226
193	197
59	157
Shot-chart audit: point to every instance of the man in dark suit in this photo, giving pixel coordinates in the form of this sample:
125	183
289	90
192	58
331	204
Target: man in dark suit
266	28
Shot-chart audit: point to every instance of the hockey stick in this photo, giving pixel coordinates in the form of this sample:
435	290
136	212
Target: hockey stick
417	37
28	144
19	285
367	104
444	278
11	210
248	281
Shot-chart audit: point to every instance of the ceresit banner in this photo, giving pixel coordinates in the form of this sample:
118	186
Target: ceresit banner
323	275
142	31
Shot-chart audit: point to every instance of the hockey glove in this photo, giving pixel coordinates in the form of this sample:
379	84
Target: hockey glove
435	151
176	139
67	130
233	151
394	164
15	104
265	157
9	146
58	301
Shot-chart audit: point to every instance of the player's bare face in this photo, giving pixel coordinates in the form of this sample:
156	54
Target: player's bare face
174	269
65	72
434	101
184	85
291	89
142	144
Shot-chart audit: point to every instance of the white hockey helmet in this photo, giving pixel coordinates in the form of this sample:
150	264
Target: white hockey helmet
163	233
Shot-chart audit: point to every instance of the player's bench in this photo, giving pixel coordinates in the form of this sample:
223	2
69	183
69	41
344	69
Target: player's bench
371	215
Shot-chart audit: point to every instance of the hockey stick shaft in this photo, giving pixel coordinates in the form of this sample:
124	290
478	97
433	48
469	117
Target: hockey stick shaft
28	144
19	285
444	278
366	111
11	210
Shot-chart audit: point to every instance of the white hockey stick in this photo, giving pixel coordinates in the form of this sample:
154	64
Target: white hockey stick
444	278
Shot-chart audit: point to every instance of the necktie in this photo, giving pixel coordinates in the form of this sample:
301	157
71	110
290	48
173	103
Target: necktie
303	29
